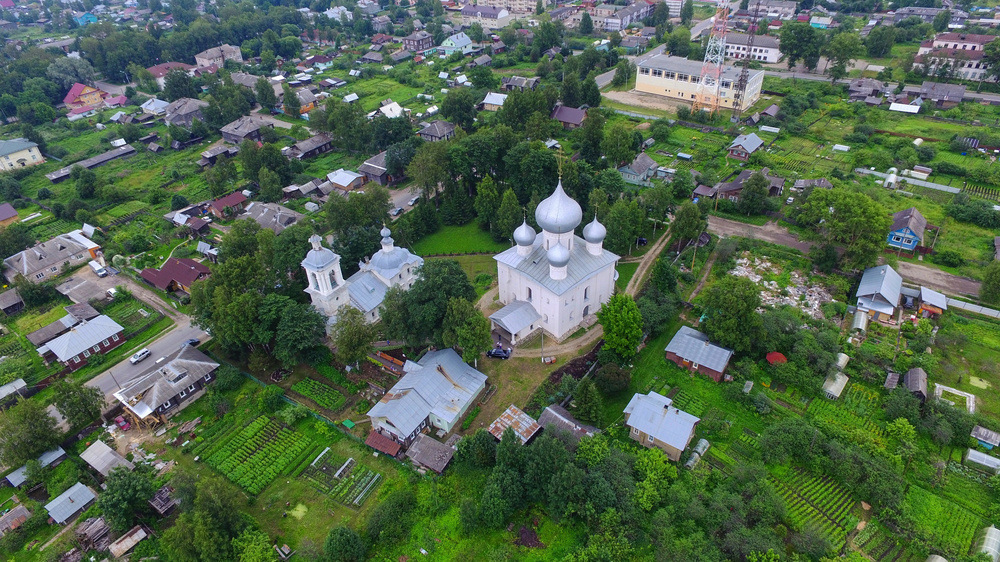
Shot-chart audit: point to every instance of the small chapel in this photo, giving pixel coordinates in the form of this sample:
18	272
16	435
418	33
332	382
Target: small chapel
553	280
389	267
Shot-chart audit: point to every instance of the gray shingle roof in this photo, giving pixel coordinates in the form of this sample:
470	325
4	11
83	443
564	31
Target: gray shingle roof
555	418
655	415
272	216
437	129
692	345
70	502
427	451
582	264
909	218
915	380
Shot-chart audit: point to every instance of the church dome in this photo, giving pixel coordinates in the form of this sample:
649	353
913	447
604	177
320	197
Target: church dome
319	256
385	232
558	213
524	235
558	255
594	232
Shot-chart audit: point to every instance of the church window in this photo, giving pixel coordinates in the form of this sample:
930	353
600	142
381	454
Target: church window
315	282
529	294
586	293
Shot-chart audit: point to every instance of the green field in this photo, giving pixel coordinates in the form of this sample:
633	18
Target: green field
466	239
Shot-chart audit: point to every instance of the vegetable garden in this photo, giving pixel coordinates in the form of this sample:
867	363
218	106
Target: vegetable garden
854	410
940	521
254	455
348	483
881	544
818	502
323	395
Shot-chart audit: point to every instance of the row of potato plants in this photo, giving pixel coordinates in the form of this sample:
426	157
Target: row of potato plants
833	414
942	523
824	495
881	544
266	464
323	395
235	443
802	515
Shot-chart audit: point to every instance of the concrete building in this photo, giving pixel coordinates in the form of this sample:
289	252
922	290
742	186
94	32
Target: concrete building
765	48
677	78
488	17
161	70
218	56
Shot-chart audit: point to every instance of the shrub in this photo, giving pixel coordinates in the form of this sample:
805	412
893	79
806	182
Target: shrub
611	379
228	378
950	258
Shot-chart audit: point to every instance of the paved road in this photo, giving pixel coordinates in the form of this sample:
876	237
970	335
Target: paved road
912	272
401	198
701	27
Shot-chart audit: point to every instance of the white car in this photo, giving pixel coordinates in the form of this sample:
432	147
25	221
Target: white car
789	201
413	200
139	356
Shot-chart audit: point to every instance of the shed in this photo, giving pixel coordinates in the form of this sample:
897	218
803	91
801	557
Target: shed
70	502
93	533
48	458
382	444
983	461
524	426
104	459
555	418
891	381
162	502
915	381
932	303
127	542
430	453
986	437
834	385
13	519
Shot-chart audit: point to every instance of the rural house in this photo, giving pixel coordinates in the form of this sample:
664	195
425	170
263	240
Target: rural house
246	127
312	146
161	70
744	146
177	274
168	385
493	101
418	41
272	216
217	56
640	170
653	421
82	95
183	111
45	260
234	202
569	117
690	349
907	230
436	392
733	189
97	335
878	292
18	153
437	130
374	170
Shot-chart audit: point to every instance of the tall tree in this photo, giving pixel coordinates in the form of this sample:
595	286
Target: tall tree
352	335
270	186
590	94
26	431
842	51
626	221
990	290
753	197
622	325
178	85
688	222
487	203
465	327
507	216
586	24
344	545
78	403
802	42
731	308
291	101
850	219
459	107
687	12
417	315
587	402
429	168
265	94
592	137
880	41
126	497
254	546
941	21
618	144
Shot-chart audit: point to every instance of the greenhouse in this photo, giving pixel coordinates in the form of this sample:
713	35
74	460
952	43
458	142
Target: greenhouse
983	461
991	542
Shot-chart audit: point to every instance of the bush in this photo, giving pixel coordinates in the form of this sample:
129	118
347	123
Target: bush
950	258
228	378
611	379
271	398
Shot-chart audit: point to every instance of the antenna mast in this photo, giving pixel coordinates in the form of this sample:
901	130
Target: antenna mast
741	83
706	97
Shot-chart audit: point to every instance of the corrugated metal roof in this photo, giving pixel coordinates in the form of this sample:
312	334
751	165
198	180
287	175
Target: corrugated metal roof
76	499
104	459
582	264
880	283
367	291
933	298
654	414
524	426
692	345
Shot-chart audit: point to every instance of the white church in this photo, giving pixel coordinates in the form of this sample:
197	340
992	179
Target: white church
553	280
366	289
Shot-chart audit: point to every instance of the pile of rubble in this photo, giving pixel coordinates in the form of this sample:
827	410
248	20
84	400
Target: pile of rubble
799	293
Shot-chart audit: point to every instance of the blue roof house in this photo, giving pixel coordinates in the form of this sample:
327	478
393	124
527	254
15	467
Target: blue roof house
83	18
907	230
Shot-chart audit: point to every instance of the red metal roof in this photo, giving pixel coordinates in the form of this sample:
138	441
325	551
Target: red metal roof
775	358
382	444
232	200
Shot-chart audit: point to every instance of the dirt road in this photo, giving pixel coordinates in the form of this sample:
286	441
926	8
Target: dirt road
640	100
912	272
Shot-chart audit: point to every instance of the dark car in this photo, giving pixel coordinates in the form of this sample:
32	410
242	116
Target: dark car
498	353
193	342
641	242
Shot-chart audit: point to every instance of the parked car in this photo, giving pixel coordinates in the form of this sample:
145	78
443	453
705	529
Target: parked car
139	356
112	292
98	269
641	242
397	211
413	200
193	342
122	424
789	201
498	353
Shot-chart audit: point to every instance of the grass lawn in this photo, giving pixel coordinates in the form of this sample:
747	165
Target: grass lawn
465	239
969	345
516	379
28	322
474	266
625	273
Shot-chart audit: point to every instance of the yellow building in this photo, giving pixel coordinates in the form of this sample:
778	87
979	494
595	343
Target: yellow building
677	78
19	153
